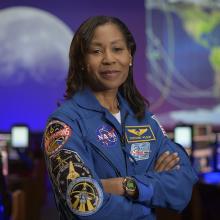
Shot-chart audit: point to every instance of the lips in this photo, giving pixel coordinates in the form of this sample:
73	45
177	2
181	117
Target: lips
109	74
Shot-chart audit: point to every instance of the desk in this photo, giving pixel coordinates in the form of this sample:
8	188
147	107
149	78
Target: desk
29	189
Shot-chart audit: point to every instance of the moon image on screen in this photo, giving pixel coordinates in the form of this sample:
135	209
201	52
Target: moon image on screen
34	46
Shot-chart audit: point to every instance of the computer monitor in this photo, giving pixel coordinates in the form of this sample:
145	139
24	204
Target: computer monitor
19	136
183	135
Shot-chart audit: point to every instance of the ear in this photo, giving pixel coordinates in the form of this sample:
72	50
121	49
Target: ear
130	60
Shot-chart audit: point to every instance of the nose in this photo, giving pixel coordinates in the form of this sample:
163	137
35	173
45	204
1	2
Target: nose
108	57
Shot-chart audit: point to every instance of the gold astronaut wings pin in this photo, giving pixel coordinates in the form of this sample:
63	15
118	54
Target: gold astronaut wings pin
141	133
137	132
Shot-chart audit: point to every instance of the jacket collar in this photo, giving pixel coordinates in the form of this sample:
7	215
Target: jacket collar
87	100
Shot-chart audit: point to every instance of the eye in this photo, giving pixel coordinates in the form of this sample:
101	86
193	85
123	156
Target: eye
117	49
95	51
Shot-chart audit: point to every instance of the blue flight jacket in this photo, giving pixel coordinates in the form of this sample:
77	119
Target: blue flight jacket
84	143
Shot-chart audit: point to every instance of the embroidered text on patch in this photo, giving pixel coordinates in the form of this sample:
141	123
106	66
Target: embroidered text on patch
135	134
56	135
106	135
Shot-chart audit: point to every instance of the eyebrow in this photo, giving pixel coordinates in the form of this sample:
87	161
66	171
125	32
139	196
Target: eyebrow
96	43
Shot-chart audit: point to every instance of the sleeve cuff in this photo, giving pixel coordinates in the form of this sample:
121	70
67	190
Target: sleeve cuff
145	192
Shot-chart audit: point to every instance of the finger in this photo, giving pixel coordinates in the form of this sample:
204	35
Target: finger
166	162
161	159
177	167
170	162
173	163
171	159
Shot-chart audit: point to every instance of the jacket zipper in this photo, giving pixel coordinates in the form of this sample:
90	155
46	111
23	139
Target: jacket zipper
118	174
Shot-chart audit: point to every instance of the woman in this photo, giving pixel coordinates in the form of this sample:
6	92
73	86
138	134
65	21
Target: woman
107	156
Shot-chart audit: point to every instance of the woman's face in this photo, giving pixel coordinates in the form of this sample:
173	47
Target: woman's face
108	58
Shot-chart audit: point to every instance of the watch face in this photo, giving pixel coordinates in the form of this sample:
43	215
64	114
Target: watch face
130	185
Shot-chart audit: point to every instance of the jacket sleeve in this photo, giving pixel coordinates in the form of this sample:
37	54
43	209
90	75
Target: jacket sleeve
78	190
170	189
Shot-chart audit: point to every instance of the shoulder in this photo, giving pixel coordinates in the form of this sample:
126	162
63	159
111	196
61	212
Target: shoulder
154	122
149	117
66	112
62	123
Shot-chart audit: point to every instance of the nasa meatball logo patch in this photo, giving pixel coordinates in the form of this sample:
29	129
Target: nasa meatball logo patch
106	135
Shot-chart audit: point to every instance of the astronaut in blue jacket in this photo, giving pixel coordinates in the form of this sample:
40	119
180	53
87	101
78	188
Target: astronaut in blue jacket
107	155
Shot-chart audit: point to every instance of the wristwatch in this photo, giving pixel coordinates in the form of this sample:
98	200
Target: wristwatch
129	186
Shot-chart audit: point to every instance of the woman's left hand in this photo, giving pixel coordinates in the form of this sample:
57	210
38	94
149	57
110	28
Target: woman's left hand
167	161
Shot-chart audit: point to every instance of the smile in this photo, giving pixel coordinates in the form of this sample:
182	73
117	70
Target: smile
109	74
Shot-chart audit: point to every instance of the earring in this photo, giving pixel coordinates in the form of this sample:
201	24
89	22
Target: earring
130	64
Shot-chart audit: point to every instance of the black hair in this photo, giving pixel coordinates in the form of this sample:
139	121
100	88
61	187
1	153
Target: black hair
78	49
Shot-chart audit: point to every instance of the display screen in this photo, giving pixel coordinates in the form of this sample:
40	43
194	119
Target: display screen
19	136
211	178
183	136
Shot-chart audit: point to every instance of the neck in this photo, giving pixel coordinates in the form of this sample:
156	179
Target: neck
108	99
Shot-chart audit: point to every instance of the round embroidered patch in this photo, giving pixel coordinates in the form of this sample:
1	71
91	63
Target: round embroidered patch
65	166
106	135
56	135
84	196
